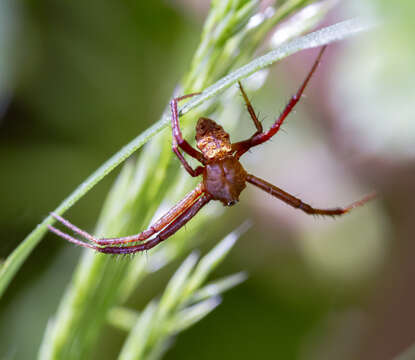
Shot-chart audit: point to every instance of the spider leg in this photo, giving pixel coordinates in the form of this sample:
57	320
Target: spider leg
178	140
161	223
259	138
250	109
70	238
163	235
298	204
71	226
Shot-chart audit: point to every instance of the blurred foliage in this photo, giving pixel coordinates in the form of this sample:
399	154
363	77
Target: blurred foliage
183	303
378	69
112	65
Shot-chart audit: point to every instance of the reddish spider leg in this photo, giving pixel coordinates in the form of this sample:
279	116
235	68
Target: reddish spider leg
251	111
298	204
179	141
182	207
260	137
171	228
170	222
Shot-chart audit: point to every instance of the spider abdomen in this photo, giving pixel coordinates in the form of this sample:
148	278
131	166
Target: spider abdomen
224	180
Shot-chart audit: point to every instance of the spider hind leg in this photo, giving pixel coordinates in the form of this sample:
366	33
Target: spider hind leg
163	235
299	204
169	218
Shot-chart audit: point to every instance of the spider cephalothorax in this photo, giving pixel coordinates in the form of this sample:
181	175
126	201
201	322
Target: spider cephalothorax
224	178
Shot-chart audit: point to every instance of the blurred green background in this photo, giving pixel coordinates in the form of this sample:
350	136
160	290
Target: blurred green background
80	79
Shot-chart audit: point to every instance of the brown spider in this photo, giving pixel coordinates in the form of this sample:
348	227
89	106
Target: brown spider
224	178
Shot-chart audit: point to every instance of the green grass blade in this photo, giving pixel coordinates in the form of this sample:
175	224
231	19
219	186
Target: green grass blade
218	287
193	314
136	343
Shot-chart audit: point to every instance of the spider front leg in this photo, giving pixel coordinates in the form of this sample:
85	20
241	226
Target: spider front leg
260	137
178	141
298	204
251	110
187	202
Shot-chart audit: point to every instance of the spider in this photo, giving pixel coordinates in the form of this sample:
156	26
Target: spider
224	178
